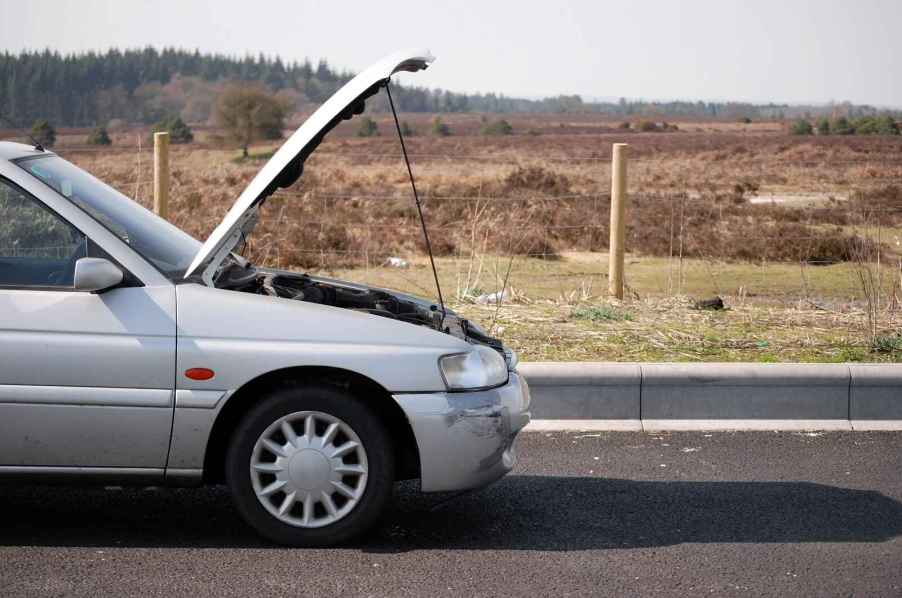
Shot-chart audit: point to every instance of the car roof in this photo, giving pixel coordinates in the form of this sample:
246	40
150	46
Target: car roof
10	150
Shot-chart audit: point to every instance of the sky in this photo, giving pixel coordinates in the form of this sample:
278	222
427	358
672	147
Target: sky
796	51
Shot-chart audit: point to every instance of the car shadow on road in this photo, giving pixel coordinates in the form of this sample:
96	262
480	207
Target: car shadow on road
521	512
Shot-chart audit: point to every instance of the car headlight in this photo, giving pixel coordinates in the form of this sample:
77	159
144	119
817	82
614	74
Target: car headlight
480	368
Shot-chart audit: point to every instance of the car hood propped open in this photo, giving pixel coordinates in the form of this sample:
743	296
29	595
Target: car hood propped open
287	164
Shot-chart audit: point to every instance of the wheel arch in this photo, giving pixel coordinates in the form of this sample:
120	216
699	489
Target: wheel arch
406	451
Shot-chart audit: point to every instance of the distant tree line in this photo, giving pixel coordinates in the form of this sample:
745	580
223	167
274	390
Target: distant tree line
146	85
149	85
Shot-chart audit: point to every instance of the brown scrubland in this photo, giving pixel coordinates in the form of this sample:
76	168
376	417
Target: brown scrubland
802	236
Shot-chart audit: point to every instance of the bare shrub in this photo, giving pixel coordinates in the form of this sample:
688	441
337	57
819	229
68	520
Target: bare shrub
537	178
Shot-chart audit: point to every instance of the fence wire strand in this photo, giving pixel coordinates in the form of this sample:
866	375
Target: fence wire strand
693	222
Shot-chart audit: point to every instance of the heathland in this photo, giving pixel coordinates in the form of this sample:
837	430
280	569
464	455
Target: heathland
801	236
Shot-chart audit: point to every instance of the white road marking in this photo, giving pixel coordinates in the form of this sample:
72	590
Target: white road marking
584	425
877	425
706	425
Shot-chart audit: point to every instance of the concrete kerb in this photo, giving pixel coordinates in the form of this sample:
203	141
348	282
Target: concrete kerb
875	392
608	391
745	391
714	396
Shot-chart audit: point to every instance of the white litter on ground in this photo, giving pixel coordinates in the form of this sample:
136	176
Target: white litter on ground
492	298
396	262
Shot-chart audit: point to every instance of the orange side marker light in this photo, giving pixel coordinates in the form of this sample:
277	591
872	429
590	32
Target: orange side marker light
199	373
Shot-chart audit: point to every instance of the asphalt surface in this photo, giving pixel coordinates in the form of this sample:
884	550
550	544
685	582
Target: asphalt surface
749	514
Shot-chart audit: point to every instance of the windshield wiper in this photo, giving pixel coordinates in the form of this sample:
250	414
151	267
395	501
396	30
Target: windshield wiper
416	198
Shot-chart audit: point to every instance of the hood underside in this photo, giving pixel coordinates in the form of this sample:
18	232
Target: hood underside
287	164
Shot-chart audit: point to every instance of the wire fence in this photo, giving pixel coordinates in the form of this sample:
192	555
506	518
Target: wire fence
708	236
686	257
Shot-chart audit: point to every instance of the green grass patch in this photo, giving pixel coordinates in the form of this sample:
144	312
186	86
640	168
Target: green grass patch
254	157
850	355
887	343
773	319
601	313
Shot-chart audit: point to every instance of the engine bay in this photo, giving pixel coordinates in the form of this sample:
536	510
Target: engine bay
346	295
377	303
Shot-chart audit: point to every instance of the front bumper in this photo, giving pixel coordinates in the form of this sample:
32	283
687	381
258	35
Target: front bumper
466	439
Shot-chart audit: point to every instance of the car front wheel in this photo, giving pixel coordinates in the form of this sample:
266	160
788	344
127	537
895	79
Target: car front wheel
310	466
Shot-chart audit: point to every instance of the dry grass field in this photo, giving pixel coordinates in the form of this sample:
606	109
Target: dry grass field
801	236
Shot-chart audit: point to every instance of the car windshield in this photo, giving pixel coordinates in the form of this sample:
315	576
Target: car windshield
166	246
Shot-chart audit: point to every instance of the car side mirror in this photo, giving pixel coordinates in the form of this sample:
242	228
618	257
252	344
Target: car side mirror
96	274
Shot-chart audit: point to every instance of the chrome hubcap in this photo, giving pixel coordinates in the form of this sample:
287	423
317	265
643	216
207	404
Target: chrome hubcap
309	469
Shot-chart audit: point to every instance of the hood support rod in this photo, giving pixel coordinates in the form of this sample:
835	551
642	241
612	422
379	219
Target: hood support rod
416	198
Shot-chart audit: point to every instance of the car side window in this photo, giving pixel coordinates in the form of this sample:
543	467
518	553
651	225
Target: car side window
37	248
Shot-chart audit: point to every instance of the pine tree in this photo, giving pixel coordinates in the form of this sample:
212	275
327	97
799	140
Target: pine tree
99	136
43	132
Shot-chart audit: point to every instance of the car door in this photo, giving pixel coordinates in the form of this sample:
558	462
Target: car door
86	379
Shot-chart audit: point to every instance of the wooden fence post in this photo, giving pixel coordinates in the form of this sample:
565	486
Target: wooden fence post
161	174
618	219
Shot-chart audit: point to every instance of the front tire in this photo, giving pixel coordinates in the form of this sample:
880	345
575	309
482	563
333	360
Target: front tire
310	465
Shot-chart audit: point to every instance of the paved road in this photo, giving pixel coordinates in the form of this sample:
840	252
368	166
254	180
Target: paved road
615	513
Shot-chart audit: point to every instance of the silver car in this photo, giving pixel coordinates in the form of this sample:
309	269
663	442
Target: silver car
131	353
